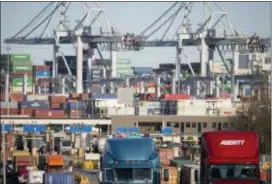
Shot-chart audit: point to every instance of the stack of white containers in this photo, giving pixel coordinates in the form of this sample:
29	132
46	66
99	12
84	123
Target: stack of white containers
149	108
113	107
191	107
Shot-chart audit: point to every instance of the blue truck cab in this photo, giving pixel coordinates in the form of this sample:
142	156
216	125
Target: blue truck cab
128	161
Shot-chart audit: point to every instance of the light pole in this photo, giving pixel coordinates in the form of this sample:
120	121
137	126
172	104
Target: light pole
3	123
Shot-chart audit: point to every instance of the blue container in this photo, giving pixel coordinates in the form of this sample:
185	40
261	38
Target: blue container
104	96
75	105
29	128
133	130
167	131
121	130
45	90
59	178
40	128
248	91
80	128
35	104
7	128
43	73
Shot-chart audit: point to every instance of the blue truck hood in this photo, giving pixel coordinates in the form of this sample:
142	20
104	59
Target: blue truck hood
139	149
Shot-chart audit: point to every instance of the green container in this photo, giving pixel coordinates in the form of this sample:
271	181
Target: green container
21	68
18	82
178	163
19	57
21	63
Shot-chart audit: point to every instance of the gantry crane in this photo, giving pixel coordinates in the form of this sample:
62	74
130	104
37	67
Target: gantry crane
113	40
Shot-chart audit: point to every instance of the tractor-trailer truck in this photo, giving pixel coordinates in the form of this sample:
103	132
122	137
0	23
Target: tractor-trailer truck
230	157
130	160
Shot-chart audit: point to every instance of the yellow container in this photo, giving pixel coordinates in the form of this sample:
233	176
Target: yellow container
88	165
80	152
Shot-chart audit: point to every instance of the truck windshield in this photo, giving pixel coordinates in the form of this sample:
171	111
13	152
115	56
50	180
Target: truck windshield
133	174
233	172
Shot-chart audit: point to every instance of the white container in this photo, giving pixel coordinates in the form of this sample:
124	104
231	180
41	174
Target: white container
111	111
151	90
20	89
192	112
126	111
228	112
108	103
92	156
36	97
226	103
191	103
35	177
150	104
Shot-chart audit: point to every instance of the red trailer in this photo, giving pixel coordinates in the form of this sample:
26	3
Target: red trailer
230	157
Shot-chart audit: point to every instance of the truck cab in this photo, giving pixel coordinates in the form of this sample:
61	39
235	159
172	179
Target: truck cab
130	161
230	158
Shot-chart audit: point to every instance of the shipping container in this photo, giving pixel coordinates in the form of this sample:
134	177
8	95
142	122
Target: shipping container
130	111
166	155
35	104
10	140
104	96
49	113
21	89
14	97
43	83
43	74
76	113
21	63
7	128
18	82
56	106
12	105
26	111
19	57
21	68
84	96
172	175
45	90
20	72
175	96
42	68
37	97
188	174
75	105
108	103
57	99
5	111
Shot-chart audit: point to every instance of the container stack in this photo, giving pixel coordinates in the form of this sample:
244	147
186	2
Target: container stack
20	65
166	155
42	79
75	108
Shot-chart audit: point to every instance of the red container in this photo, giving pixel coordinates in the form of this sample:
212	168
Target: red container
56	106
166	155
57	99
175	96
49	114
84	96
42	68
10	140
26	111
148	96
43	83
11	111
75	113
28	72
14	97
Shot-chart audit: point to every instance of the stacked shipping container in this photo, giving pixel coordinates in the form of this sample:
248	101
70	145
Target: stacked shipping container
21	65
42	79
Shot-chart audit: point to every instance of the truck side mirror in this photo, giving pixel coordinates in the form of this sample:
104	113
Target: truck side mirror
100	176
166	175
196	176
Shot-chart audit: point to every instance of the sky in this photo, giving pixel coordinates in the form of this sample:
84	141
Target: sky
132	17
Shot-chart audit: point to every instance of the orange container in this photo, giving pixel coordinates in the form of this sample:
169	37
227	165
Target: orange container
173	175
166	155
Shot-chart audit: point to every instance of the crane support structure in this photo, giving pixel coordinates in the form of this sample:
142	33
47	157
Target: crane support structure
110	39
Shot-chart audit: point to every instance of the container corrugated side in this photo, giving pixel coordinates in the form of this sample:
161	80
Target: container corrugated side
9	105
40	74
20	89
34	104
21	67
59	178
37	97
19	57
